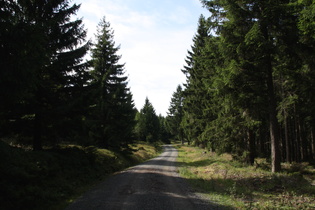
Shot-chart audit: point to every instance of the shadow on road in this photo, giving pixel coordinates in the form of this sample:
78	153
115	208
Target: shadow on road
154	184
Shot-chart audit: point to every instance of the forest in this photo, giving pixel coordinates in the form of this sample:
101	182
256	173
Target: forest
51	93
67	114
250	82
249	87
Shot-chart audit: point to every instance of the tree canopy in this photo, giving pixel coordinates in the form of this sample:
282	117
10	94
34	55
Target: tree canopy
247	75
112	111
50	92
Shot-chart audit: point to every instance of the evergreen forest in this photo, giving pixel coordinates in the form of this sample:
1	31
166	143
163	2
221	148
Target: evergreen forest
67	114
249	87
51	93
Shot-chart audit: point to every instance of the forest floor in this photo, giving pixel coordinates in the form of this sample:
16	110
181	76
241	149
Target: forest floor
53	178
239	186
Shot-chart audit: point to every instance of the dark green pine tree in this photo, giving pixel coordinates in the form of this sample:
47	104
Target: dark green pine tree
175	115
194	93
58	77
113	111
16	72
244	26
52	57
304	82
240	87
16	76
148	125
164	134
260	44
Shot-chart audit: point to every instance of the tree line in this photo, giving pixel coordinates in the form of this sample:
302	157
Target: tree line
50	91
250	81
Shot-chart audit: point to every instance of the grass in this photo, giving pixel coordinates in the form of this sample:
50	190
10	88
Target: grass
53	178
238	186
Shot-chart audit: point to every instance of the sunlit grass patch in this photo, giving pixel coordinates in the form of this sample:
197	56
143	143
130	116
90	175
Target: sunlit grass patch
143	151
235	184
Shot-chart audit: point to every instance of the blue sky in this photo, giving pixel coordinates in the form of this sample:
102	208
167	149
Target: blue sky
154	36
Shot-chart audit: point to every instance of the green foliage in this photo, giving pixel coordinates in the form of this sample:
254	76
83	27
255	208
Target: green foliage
45	72
148	124
248	74
164	134
110	117
175	115
49	93
193	120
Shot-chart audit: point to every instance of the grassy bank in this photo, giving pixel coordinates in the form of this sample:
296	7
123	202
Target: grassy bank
52	178
236	185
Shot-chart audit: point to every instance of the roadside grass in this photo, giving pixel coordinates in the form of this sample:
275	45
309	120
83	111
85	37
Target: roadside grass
237	185
51	179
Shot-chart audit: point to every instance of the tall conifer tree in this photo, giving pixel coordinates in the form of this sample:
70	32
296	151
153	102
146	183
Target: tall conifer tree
114	113
148	125
175	114
193	121
52	57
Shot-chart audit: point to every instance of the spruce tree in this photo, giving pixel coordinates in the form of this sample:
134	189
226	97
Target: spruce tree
244	23
175	114
113	113
164	134
193	105
302	108
264	54
51	57
148	125
16	73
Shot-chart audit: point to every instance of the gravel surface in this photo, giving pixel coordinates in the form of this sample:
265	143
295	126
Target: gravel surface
154	184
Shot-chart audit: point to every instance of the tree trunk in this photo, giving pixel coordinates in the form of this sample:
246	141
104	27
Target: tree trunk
304	143
286	136
252	147
273	123
297	137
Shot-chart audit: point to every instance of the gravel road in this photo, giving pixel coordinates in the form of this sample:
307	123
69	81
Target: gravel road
154	184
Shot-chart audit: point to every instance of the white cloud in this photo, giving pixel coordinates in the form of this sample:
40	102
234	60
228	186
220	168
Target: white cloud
153	43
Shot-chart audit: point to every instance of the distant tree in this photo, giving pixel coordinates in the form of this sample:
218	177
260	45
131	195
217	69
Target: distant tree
164	134
148	124
112	109
175	114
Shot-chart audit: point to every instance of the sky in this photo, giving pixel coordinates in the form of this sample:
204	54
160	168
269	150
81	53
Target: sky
154	36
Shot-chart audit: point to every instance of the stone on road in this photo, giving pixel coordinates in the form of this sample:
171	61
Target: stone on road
154	184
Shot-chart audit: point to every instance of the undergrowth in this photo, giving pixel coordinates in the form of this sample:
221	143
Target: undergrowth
236	185
52	178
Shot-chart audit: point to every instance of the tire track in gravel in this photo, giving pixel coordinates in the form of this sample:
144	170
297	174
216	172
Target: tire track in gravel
154	184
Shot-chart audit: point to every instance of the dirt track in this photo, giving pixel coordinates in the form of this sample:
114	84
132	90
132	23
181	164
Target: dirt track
154	184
